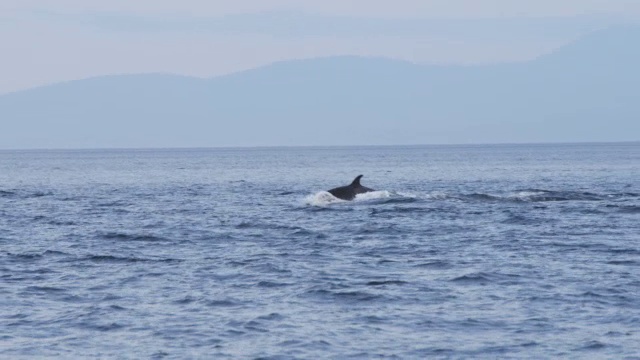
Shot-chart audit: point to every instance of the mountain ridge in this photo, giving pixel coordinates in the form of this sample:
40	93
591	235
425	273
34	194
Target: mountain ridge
582	92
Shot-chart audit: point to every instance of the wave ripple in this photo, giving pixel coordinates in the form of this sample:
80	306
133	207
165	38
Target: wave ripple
466	252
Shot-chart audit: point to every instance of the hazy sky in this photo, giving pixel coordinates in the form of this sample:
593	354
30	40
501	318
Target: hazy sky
45	42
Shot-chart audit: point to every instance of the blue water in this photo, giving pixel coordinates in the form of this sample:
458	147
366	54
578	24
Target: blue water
510	251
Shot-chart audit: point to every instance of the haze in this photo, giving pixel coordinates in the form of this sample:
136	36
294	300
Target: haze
137	74
48	42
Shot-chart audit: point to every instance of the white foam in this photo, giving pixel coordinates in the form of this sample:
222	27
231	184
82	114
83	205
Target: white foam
437	195
381	194
525	195
322	198
406	194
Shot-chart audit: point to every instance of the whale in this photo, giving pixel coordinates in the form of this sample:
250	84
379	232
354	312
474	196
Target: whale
350	191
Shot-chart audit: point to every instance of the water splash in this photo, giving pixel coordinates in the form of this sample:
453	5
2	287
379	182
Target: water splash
373	195
324	198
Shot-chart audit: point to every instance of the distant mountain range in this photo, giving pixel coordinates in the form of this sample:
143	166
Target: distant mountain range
586	91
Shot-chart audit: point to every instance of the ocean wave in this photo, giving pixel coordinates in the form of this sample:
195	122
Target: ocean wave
228	302
631	209
123	259
24	194
436	264
484	278
343	296
386	282
45	289
132	237
401	210
6	193
537	195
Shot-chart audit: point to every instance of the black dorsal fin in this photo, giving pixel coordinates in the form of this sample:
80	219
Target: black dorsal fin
356	181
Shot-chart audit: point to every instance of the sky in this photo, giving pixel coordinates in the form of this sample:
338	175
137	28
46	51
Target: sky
48	42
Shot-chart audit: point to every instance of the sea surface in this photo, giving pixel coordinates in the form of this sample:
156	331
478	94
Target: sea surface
494	251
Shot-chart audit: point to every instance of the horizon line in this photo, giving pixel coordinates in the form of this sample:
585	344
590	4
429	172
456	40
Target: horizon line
271	147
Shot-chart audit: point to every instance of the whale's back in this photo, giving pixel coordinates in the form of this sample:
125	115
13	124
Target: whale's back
350	191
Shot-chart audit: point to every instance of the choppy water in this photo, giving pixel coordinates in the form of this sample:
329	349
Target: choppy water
465	252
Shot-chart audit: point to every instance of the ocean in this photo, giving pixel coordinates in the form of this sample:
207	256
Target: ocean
483	251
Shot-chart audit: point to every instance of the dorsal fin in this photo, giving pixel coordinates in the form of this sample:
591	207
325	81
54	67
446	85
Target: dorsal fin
356	181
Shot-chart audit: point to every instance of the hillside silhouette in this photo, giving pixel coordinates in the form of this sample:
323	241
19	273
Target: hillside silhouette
585	91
